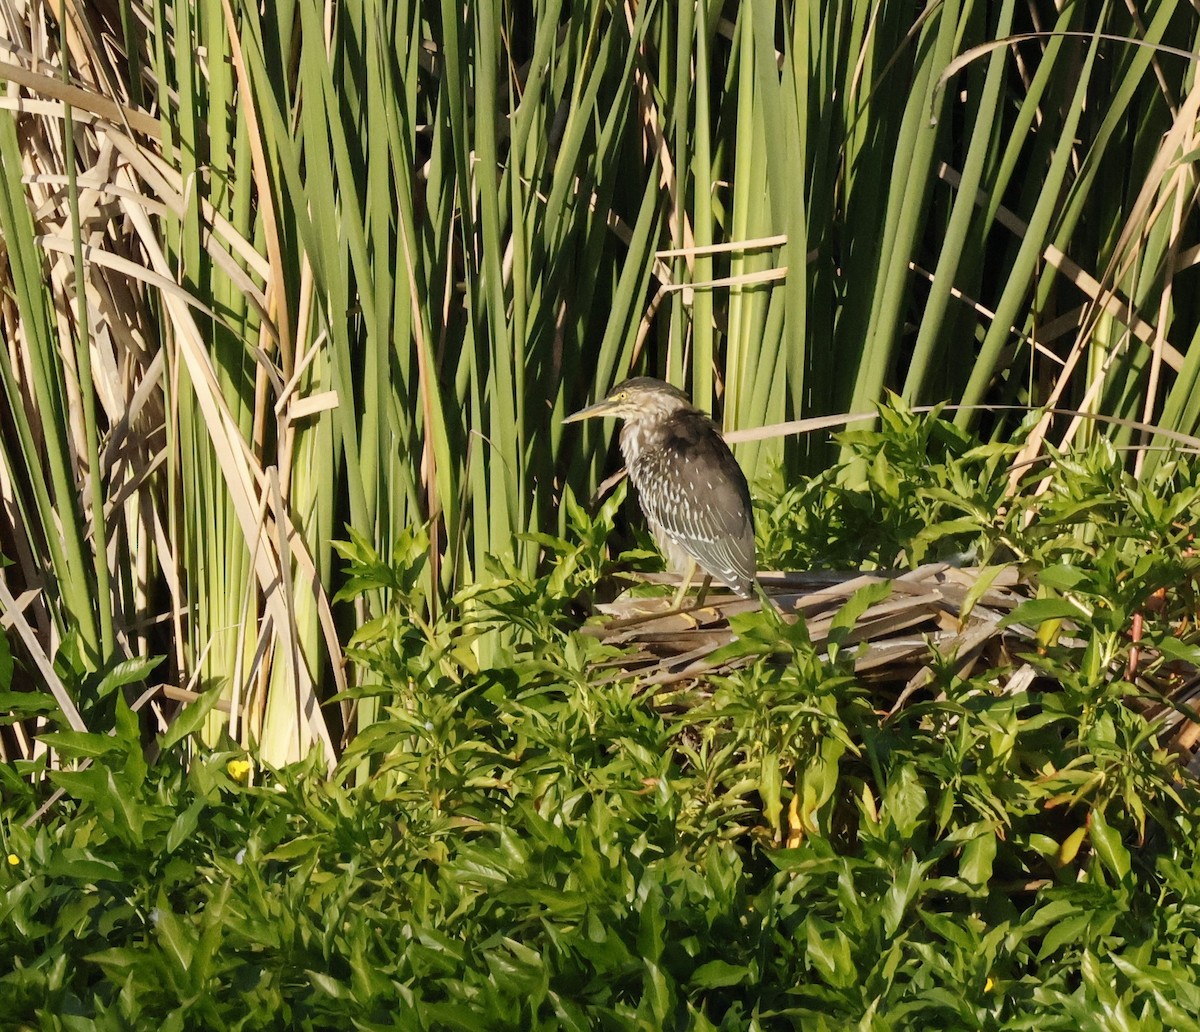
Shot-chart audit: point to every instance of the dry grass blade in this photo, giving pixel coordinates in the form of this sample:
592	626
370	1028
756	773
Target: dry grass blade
14	617
77	97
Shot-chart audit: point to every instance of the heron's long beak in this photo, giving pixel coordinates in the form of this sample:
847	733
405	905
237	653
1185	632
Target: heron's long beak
601	408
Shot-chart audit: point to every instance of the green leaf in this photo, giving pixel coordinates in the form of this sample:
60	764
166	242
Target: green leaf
985	577
818	784
125	672
1038	610
1106	841
977	858
118	961
329	985
174	933
184	825
651	925
1069	930
905	889
1063	577
1182	652
190	718
719	974
770	787
77	866
657	993
1051	913
947	528
904	801
857	604
829	952
18	705
81	743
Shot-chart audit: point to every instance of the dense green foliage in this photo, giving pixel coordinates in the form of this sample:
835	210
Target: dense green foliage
535	848
275	274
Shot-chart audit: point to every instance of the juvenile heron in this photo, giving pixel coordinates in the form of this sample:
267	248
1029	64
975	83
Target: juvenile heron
692	490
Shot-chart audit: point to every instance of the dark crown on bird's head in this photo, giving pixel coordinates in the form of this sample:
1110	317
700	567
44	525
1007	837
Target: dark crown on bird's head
639	399
646	396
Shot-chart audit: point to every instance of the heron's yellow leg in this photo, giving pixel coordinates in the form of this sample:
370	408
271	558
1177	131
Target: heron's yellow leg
685	582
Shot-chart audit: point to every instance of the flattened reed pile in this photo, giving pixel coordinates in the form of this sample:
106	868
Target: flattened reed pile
937	615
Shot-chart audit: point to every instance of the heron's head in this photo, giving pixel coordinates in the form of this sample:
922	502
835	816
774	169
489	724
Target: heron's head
643	397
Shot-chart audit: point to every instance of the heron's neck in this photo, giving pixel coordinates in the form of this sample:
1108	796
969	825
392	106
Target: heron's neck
633	440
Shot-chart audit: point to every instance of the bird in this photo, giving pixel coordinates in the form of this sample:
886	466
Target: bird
692	491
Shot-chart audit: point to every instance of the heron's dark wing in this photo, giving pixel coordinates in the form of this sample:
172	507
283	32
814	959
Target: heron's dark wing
690	484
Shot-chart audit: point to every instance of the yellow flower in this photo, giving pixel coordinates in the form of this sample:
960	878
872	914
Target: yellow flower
239	770
987	986
13	859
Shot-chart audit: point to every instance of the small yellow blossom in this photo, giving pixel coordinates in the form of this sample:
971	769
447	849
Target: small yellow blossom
13	859
239	770
987	986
